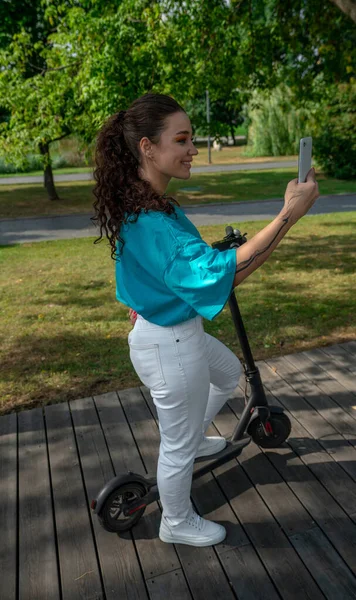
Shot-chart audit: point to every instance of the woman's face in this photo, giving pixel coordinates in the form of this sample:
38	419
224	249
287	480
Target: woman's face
172	156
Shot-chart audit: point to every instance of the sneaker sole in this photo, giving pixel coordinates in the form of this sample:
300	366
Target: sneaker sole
191	542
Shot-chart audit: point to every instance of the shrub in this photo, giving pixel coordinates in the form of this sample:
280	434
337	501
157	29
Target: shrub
32	162
69	152
335	139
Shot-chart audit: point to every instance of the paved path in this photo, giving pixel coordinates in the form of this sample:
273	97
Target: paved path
32	229
208	169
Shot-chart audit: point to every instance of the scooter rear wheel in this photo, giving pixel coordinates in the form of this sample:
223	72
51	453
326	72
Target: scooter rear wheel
281	428
112	517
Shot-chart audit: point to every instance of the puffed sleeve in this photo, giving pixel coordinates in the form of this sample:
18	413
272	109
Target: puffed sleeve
202	276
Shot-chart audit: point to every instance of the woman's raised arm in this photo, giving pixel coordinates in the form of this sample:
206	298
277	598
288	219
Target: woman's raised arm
298	199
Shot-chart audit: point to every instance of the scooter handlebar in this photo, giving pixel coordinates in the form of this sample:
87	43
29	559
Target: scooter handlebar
233	239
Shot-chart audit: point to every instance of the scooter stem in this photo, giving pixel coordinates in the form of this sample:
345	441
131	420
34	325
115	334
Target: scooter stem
241	333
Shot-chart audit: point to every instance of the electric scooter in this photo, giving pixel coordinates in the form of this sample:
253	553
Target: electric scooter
123	500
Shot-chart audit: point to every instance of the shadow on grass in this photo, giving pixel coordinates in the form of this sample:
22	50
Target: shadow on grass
39	370
303	260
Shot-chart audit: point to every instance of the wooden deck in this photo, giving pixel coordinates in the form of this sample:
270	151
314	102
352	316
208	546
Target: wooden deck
290	512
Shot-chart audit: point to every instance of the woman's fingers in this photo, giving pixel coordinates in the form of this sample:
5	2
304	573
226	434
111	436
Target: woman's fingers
132	316
311	175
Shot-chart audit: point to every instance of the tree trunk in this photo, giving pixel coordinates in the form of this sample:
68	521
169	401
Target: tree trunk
232	133
348	7
48	173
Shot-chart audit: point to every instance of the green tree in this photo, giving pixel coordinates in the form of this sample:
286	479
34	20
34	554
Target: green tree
79	61
223	118
316	40
16	15
41	105
129	47
36	91
348	7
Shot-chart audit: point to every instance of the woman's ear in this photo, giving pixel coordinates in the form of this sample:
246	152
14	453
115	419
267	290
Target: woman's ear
146	147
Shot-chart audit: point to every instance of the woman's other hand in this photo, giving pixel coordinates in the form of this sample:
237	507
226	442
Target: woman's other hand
132	316
300	197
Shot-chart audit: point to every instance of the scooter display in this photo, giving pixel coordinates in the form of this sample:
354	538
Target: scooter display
123	500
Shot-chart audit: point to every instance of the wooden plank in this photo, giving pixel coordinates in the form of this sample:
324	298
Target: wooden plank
295	403
326	470
341	452
283	564
341	357
320	505
349	346
80	576
344	376
283	504
325	406
236	548
327	384
143	427
246	573
155	558
193	560
38	572
169	585
118	561
337	447
333	576
336	480
340	529
8	505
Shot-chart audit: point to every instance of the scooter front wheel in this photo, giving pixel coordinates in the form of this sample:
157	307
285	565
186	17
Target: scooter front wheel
112	516
280	427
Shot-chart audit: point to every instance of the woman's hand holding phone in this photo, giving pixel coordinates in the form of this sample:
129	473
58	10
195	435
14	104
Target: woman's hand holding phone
300	197
301	193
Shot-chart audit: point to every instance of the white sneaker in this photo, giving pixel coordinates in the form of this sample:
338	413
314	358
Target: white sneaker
211	445
194	531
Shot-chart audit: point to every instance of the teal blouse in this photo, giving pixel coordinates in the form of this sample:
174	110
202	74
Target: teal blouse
167	273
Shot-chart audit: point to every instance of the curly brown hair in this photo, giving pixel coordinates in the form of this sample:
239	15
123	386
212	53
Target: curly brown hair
119	191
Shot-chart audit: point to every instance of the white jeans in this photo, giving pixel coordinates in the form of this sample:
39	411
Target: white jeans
190	375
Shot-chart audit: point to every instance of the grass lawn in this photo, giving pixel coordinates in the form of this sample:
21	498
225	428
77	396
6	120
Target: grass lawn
228	155
76	197
64	336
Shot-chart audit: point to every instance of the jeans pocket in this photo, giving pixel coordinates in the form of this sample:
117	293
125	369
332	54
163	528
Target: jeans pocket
147	364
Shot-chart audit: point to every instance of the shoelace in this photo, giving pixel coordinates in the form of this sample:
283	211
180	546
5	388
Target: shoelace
195	521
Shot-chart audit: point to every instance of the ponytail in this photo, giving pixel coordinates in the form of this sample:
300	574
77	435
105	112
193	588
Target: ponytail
119	191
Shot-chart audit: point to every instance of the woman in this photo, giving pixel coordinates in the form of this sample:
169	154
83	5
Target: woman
172	279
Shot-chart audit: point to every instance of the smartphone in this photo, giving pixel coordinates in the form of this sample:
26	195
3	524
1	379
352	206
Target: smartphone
305	158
